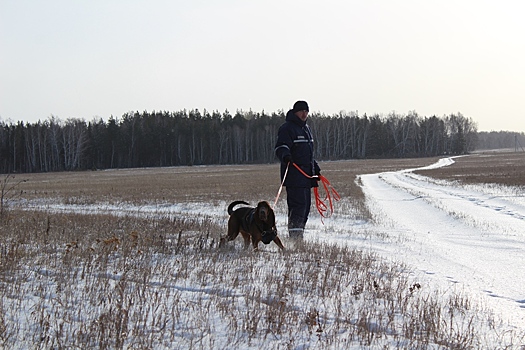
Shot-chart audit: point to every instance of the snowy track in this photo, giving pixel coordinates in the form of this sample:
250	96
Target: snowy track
473	237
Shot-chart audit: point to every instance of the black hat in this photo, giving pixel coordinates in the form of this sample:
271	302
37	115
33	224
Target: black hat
300	106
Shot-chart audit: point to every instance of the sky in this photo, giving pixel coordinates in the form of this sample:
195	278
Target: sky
102	58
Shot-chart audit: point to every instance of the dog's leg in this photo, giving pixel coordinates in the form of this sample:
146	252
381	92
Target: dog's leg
246	238
277	241
255	243
233	231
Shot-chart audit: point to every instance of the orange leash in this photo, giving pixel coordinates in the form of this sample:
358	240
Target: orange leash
330	191
282	183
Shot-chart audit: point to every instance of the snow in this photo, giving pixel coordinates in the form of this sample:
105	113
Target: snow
467	239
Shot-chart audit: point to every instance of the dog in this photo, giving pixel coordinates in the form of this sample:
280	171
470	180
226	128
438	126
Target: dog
255	225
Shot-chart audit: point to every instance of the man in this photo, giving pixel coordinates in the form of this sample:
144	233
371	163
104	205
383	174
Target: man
295	145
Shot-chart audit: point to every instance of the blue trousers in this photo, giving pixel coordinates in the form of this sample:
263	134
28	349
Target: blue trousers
299	200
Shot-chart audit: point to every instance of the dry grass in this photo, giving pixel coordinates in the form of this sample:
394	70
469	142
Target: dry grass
197	184
95	281
103	281
225	183
503	168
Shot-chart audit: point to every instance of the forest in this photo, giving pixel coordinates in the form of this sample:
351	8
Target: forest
161	138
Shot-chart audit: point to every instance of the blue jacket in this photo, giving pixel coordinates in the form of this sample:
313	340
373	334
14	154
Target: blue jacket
295	138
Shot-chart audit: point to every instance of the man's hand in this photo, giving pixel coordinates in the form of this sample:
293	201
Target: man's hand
287	159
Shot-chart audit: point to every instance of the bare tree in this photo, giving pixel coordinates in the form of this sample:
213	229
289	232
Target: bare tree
8	191
74	141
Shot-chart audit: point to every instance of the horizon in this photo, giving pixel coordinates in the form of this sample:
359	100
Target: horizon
117	118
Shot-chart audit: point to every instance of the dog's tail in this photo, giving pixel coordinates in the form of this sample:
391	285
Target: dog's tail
233	204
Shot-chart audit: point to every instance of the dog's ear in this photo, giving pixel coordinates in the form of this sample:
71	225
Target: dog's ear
271	218
270	215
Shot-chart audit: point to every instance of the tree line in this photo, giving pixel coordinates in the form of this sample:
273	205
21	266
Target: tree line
501	140
152	139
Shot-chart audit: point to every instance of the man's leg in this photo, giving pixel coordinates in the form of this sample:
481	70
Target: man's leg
298	200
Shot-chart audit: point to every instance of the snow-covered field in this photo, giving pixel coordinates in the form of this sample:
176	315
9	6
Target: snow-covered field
458	239
467	238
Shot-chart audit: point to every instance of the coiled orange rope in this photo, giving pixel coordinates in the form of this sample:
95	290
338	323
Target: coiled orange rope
330	193
320	204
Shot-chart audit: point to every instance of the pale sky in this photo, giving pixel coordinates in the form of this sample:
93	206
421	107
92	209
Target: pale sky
96	58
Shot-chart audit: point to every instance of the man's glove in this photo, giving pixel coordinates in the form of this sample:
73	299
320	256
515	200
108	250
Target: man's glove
287	159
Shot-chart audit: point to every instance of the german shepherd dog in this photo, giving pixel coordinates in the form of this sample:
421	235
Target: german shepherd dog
255	224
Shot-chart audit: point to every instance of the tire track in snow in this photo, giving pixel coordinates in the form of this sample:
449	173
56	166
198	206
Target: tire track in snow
472	238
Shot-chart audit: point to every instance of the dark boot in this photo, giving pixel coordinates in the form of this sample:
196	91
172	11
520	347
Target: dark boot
296	233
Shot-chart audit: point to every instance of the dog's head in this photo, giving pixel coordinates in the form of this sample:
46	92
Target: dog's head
265	213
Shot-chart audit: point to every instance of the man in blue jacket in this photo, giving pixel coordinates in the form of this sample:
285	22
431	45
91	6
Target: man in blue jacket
295	145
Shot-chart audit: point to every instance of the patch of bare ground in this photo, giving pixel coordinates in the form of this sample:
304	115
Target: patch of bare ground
197	183
504	168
